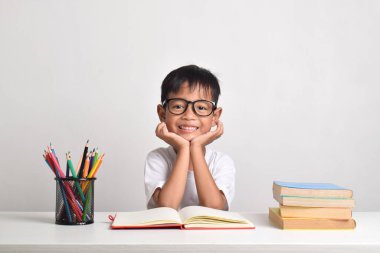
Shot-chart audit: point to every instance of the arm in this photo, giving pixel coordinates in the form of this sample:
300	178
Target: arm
208	192
172	191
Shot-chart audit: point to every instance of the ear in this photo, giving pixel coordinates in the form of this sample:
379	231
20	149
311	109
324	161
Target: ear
161	112
216	115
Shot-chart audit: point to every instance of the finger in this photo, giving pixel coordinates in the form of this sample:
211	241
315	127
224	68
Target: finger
165	130
220	128
166	134
159	128
218	125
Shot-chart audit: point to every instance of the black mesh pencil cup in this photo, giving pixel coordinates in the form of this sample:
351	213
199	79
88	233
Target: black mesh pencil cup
74	201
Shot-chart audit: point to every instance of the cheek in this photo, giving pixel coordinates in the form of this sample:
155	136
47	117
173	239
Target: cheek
170	123
206	126
171	128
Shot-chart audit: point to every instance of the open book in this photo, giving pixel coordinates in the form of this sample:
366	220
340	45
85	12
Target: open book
191	217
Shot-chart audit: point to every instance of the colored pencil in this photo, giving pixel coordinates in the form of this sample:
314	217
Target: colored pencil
53	150
91	159
64	197
88	197
76	183
96	157
65	201
68	157
77	210
80	174
78	165
67	170
67	187
81	208
86	166
96	167
93	172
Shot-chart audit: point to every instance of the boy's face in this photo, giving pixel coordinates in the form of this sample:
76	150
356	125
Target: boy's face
189	125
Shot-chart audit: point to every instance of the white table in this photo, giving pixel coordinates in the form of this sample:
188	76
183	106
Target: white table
36	232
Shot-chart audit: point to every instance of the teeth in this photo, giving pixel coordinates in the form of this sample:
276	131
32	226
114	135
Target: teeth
188	128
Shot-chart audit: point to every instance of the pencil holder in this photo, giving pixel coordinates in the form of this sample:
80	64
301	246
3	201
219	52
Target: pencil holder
74	201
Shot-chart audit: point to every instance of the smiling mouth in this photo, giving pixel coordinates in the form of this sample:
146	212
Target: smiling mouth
188	128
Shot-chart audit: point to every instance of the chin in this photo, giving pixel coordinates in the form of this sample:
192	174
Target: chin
188	137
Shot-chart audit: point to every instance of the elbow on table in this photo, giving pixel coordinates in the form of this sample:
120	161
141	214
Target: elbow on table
167	204
215	205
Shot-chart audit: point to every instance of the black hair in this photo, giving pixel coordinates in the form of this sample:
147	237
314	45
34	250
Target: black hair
195	76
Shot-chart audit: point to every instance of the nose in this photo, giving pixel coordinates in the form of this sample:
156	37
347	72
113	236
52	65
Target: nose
189	113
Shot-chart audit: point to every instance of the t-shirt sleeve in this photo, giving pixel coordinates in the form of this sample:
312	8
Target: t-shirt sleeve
224	177
155	175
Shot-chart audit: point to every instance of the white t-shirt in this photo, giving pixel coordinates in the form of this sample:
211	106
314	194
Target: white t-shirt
159	165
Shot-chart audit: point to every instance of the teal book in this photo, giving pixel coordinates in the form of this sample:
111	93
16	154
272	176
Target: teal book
315	186
312	194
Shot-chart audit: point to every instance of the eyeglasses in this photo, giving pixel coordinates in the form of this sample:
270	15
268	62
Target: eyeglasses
178	106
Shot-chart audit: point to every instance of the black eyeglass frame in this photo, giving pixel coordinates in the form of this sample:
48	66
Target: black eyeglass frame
166	102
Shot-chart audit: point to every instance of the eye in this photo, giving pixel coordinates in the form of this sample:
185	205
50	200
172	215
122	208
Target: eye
177	107
202	106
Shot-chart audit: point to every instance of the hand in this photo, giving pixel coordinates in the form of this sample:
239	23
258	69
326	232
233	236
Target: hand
170	138
207	138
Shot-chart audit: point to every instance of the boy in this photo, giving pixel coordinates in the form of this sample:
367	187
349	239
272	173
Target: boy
188	172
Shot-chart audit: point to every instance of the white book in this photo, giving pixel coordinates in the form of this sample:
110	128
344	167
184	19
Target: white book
191	217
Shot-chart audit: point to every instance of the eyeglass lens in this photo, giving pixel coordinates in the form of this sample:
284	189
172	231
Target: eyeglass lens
201	107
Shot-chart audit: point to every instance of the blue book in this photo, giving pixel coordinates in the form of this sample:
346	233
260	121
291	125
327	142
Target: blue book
317	186
312	194
312	190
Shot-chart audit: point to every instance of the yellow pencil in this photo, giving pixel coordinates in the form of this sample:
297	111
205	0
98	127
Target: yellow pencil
96	167
93	172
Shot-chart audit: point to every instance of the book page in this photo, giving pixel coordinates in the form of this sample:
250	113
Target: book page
155	216
205	215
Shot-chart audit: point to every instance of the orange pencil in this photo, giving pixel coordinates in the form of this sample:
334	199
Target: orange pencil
78	166
93	171
86	166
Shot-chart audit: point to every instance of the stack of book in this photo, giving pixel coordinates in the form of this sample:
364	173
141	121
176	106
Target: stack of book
312	206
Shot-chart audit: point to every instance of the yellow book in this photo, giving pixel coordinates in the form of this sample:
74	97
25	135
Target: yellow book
316	212
191	217
314	202
308	223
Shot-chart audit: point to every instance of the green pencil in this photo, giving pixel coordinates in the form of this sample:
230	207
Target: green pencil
77	185
88	196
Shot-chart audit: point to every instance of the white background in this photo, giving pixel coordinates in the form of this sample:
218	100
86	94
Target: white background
299	79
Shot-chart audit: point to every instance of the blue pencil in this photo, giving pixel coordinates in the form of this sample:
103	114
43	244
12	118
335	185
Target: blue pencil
66	204
81	208
55	155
